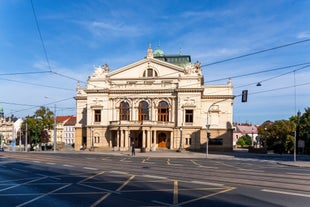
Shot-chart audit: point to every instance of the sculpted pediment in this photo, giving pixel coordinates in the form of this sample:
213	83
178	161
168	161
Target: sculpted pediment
147	68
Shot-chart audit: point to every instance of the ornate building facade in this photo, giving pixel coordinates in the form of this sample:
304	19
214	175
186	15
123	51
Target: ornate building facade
158	102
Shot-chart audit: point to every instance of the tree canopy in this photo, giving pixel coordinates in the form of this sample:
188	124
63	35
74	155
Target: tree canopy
38	126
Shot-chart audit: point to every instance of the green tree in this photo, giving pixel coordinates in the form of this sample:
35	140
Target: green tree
265	135
281	132
37	125
303	130
244	140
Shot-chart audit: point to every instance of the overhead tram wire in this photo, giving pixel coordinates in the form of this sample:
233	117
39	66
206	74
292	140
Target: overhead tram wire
277	76
217	62
257	52
36	106
34	84
277	89
41	38
258	72
24	73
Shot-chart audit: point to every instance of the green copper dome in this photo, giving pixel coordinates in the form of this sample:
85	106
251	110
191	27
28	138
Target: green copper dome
158	52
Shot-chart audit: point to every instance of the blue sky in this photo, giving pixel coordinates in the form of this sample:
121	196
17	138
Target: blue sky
79	34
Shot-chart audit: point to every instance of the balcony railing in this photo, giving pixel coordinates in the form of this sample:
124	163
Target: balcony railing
142	123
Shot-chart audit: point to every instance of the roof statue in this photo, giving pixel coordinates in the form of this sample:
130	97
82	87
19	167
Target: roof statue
149	52
99	71
191	68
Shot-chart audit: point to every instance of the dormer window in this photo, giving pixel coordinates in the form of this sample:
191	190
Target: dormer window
150	73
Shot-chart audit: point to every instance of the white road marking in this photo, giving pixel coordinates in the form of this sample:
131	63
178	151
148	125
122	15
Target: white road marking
46	194
97	188
90	168
50	163
250	170
306	174
163	203
207	183
119	172
286	193
68	165
154	176
20	170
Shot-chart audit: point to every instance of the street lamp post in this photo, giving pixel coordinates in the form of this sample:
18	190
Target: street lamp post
92	139
208	125
295	136
180	147
55	128
207	139
26	138
20	140
252	136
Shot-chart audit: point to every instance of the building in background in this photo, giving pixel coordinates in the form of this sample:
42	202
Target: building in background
245	129
69	130
157	102
9	129
65	131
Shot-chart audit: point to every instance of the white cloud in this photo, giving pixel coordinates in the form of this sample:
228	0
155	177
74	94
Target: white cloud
303	35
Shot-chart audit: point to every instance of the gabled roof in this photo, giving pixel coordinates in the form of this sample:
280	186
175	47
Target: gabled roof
246	129
64	119
71	121
146	61
60	119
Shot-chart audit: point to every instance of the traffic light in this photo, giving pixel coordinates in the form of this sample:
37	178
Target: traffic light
244	96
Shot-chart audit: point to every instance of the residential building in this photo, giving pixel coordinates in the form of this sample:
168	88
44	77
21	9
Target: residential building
69	131
65	129
245	129
157	102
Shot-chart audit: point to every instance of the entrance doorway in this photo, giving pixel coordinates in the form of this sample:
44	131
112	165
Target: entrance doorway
162	140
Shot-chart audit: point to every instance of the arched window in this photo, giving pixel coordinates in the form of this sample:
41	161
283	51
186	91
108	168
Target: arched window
150	73
124	111
163	111
143	111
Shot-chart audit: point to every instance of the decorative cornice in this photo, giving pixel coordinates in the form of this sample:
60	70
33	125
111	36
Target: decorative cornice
200	90
218	97
80	97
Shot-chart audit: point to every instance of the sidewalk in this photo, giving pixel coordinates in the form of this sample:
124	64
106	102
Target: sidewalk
287	160
280	159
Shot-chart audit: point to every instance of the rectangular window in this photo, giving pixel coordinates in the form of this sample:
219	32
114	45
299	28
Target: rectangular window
149	73
216	142
97	115
189	116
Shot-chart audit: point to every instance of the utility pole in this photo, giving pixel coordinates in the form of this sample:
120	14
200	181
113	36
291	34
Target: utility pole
55	128
26	138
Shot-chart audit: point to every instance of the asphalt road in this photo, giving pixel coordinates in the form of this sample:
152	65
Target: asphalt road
65	179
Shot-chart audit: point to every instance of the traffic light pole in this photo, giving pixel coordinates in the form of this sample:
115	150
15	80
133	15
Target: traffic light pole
208	126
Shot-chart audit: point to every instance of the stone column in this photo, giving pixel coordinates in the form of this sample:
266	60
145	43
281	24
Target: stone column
143	138
117	138
126	139
148	139
122	139
172	141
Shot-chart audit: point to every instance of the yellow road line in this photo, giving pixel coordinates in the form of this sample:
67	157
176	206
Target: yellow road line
199	165
175	192
168	162
144	160
108	194
206	196
90	177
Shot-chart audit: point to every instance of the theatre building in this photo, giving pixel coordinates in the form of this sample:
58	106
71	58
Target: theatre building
159	102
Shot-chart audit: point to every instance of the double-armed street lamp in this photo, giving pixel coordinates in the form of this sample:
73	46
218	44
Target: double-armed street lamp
180	147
